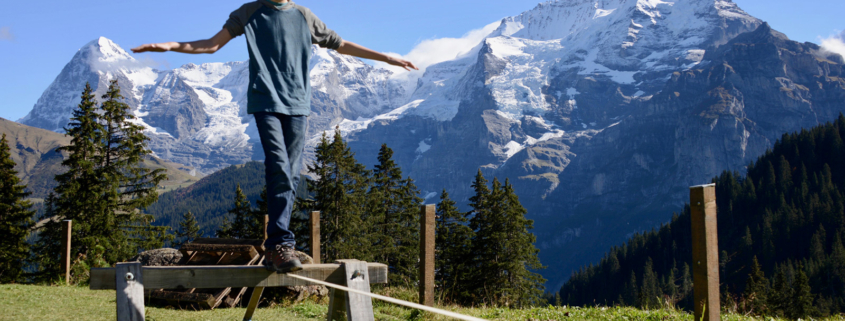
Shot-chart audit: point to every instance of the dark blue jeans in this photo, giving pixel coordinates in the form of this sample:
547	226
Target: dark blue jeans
283	139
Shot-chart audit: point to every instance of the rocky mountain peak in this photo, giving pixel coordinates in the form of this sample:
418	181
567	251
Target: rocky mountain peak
100	53
106	49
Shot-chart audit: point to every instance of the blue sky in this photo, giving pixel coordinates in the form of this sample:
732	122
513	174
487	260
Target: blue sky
37	40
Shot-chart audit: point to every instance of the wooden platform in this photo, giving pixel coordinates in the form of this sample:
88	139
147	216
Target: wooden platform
222	276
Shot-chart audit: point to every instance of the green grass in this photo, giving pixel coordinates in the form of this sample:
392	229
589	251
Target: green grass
34	302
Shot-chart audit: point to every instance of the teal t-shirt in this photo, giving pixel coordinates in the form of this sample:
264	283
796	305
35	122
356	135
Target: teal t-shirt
279	38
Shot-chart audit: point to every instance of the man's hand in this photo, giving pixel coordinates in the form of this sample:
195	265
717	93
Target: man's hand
401	63
154	47
353	49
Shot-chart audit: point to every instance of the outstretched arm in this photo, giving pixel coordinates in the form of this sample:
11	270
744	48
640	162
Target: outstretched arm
194	47
353	49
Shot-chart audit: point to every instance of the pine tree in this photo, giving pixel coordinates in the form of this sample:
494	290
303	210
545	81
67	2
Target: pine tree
103	189
245	222
522	256
670	288
802	297
755	290
129	185
453	241
78	194
503	248
649	295
631	291
339	195
779	296
394	205
15	218
484	250
188	230
686	281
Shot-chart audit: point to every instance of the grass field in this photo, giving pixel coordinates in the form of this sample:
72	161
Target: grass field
34	302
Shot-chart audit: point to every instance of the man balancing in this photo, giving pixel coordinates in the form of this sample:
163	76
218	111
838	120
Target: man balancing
279	35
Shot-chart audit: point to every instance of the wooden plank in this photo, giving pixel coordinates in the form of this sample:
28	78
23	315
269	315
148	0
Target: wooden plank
223	276
67	232
314	227
358	307
129	291
705	252
218	298
426	285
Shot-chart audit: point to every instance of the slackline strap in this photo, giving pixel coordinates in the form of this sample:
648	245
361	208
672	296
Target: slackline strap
389	299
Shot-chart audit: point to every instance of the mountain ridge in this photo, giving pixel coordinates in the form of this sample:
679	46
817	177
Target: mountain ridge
37	162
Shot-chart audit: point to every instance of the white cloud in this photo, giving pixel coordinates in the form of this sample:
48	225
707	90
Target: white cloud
432	51
835	44
6	34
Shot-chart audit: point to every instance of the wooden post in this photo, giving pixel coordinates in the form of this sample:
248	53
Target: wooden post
427	222
705	252
266	222
67	231
314	227
129	288
354	306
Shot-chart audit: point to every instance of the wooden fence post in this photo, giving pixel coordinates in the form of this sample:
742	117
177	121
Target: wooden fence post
705	252
266	222
129	288
314	227
427	223
67	231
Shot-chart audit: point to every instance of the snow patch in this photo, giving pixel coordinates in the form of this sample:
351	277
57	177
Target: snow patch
511	148
603	13
429	196
423	147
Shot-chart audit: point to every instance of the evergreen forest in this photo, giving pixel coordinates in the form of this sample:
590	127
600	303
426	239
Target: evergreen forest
209	198
780	230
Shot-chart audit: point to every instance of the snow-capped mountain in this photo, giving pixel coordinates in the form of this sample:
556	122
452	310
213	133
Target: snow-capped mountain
196	114
601	113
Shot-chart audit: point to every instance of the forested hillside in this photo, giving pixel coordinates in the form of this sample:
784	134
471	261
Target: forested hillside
209	198
787	213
